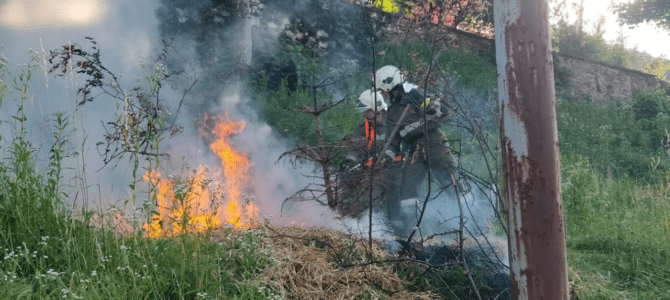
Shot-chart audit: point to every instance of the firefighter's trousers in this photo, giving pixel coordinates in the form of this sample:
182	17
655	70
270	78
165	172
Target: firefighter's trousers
402	208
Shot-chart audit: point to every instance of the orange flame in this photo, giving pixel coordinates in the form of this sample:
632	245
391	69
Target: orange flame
195	205
235	170
182	207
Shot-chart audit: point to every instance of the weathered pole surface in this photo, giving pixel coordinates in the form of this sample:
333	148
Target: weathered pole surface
530	150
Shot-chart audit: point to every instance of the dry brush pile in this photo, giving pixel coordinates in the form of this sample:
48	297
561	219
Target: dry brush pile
314	263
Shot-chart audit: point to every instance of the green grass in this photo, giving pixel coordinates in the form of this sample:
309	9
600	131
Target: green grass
615	188
186	267
618	240
45	252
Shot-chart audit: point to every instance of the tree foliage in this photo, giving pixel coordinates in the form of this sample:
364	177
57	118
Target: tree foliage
577	39
584	39
474	16
636	12
659	67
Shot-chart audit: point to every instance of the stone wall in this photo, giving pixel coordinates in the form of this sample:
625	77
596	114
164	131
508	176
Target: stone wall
601	83
578	78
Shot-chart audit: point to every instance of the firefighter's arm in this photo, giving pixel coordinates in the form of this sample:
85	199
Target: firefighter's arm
428	111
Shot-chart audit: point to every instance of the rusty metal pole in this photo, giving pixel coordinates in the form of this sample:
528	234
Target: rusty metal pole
538	263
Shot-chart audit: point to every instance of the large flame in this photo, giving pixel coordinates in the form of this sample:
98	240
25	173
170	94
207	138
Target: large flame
235	170
197	205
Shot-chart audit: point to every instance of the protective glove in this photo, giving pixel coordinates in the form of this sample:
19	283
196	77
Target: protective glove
368	163
389	156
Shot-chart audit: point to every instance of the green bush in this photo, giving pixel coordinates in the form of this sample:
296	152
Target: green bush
620	139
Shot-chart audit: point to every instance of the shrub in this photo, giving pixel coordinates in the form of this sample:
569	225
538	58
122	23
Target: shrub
620	139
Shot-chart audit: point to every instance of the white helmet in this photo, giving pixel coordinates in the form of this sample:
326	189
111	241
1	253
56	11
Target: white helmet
367	101
410	86
387	77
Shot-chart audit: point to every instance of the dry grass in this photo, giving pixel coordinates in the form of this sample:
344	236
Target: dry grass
309	267
590	285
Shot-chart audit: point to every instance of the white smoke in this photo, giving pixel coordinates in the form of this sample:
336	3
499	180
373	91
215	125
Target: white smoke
442	212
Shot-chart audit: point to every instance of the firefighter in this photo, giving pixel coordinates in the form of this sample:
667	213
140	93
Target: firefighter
423	143
366	133
366	142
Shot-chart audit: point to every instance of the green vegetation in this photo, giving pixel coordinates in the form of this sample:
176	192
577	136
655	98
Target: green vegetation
584	39
281	107
470	70
615	195
621	139
48	253
618	234
658	67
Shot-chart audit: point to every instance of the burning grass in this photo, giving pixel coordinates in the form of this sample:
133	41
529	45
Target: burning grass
189	206
200	202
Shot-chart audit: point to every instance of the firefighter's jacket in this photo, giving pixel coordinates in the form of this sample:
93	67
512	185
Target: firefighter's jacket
412	128
362	142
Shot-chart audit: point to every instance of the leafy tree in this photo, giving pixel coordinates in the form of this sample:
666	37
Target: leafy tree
636	12
616	54
572	38
659	67
576	39
473	16
640	59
